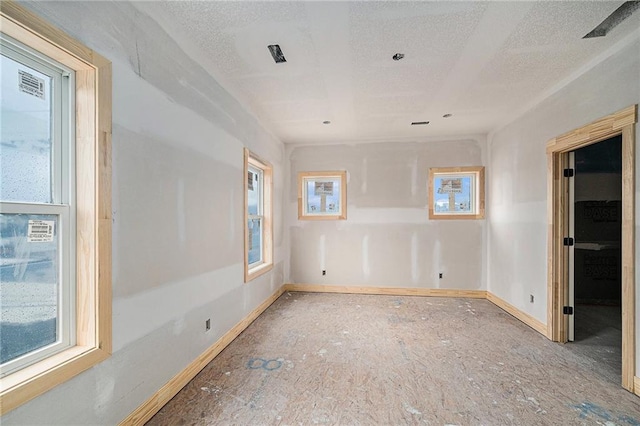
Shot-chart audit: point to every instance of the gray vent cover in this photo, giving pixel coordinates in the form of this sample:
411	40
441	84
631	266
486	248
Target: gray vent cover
277	54
613	20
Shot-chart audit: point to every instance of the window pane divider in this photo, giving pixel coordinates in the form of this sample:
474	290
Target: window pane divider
29	208
90	99
253	164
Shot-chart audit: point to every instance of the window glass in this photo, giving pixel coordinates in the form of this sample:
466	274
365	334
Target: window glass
254	211
29	283
255	181
258	244
255	240
454	194
35	184
25	133
323	195
44	339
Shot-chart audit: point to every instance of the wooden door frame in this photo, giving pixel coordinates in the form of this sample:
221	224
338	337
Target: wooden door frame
619	123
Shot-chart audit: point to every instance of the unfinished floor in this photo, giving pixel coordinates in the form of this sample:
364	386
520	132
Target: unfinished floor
599	338
362	359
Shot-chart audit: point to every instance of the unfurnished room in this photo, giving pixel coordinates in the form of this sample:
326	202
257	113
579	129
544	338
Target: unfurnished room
319	212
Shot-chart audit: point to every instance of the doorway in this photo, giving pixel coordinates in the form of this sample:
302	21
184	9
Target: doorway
595	224
620	124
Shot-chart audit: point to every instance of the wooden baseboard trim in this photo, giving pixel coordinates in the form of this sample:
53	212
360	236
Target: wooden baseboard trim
151	406
387	291
518	314
432	292
636	385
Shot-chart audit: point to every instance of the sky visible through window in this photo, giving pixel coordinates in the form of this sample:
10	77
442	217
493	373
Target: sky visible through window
462	199
316	189
254	225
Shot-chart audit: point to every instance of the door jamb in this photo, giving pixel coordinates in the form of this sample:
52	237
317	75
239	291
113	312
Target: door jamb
619	123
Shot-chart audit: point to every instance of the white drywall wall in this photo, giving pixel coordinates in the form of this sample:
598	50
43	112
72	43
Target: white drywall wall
517	176
175	128
178	140
387	239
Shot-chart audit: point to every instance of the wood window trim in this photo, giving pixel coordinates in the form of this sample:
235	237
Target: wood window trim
93	201
267	199
342	174
620	123
479	171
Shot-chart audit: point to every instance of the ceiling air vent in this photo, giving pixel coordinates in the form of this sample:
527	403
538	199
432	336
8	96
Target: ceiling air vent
276	52
613	20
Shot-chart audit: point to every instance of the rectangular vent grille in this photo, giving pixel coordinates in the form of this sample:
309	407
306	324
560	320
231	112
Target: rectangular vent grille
613	20
276	53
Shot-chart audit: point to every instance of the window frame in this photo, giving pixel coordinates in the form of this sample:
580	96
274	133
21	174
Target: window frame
93	340
61	190
266	207
341	176
477	190
259	215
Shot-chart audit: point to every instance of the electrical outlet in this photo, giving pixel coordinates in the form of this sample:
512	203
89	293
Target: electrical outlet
207	325
531	298
324	272
440	275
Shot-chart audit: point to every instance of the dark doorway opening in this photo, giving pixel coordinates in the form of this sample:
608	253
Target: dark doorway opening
597	215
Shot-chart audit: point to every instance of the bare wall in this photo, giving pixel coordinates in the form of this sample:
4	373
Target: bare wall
178	140
387	239
517	175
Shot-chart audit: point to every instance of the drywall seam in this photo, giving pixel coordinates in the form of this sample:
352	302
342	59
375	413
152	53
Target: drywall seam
152	405
201	57
137	315
135	99
478	137
617	47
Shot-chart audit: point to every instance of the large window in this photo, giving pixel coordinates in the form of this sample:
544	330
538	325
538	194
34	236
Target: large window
37	207
258	221
55	218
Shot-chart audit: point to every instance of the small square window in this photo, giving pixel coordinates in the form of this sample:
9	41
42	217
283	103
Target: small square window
456	193
322	195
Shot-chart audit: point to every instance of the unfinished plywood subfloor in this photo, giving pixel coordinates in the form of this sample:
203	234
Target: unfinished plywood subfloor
363	359
598	339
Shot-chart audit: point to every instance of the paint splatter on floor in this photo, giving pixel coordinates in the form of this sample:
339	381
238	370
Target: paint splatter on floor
470	363
589	410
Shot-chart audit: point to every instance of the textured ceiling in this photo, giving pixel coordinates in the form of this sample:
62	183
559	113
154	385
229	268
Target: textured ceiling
480	61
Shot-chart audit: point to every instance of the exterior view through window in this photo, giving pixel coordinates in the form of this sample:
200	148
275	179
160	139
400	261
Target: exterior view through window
255	216
36	215
258	223
55	229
